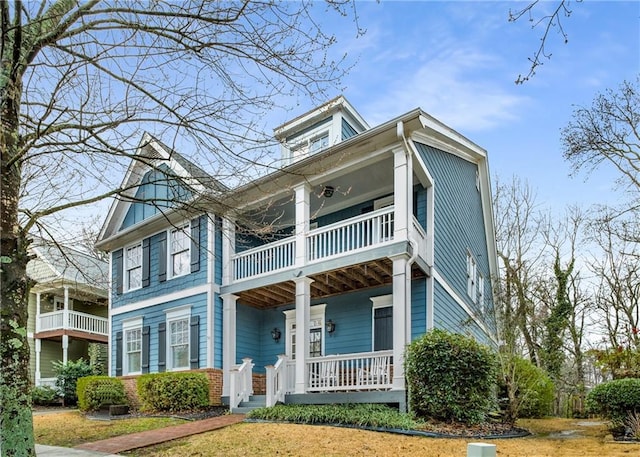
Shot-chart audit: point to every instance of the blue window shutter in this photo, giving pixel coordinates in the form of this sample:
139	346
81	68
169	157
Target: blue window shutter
162	347
146	330
119	354
194	342
146	260
117	260
162	257
195	245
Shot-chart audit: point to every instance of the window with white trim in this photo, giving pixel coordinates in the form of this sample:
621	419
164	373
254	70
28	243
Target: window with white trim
316	331
472	271
178	346
318	143
133	267
179	251
481	291
132	354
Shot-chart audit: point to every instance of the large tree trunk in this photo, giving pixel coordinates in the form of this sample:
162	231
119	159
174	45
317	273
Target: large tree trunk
16	422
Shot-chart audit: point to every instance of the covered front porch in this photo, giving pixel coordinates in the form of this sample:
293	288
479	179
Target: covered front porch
344	378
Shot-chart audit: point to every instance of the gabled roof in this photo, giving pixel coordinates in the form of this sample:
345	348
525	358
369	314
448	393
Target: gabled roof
150	154
55	266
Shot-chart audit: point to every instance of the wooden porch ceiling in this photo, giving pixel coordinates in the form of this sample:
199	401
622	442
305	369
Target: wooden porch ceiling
356	277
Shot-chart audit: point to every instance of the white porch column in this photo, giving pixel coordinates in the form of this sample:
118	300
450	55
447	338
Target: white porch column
302	223
401	303
38	312
38	350
65	349
401	199
229	302
65	312
228	249
303	315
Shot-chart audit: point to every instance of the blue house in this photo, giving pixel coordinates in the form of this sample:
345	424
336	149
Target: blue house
304	285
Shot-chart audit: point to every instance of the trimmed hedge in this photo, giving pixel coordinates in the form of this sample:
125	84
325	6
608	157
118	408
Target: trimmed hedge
95	392
615	400
173	392
450	377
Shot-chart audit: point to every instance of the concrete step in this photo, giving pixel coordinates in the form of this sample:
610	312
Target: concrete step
255	402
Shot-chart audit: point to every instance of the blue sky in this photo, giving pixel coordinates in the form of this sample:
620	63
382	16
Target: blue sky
458	61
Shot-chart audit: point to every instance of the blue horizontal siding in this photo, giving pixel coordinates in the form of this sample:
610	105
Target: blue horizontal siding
449	315
459	225
152	316
157	288
157	191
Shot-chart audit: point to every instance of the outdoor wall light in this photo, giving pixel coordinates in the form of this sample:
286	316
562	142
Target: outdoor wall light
275	334
331	326
328	191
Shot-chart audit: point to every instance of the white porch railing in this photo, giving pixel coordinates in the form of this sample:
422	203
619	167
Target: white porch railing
240	383
350	235
48	382
346	372
264	259
74	321
277	381
363	371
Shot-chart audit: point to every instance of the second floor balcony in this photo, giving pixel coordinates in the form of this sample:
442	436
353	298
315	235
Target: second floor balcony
338	240
81	324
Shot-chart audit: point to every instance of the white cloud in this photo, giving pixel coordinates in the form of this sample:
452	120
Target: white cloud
458	86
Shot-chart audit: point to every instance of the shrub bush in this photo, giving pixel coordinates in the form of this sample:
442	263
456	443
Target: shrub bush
95	392
534	390
173	392
67	375
450	377
44	395
615	400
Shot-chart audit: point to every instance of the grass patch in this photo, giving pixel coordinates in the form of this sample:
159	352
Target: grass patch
362	415
71	428
269	439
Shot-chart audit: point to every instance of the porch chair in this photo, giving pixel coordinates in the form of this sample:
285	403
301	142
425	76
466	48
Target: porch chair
376	374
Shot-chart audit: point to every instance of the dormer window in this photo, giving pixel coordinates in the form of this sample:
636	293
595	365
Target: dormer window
318	143
310	145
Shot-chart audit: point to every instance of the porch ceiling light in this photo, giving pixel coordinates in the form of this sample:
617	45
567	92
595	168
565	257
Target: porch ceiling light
331	326
275	334
328	191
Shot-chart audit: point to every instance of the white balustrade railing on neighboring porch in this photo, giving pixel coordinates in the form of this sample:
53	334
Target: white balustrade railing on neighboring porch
75	320
240	383
277	381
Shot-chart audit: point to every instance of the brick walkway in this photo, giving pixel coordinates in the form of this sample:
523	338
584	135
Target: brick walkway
152	437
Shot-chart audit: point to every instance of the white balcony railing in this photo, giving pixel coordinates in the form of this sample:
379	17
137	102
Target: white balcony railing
75	320
358	233
264	259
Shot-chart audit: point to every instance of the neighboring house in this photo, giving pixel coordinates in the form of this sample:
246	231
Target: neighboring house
68	307
312	281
